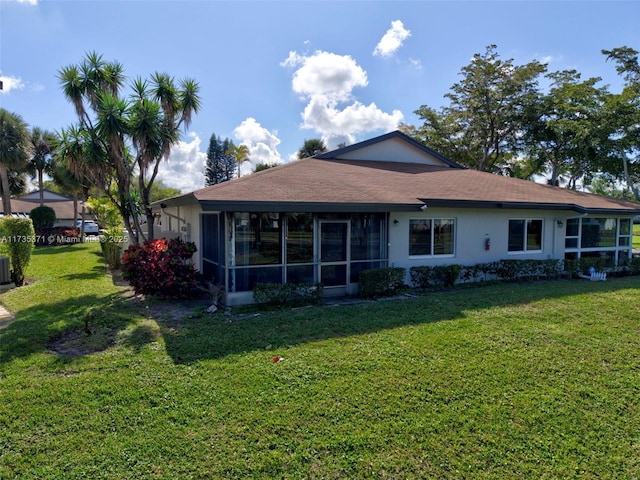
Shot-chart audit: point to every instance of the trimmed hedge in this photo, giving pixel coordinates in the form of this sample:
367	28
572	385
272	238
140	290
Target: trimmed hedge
18	239
288	294
445	276
43	217
381	282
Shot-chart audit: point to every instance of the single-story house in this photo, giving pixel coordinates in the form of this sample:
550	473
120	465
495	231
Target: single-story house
62	205
387	201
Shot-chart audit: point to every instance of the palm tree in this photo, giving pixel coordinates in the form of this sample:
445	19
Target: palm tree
14	151
42	146
123	136
159	111
312	147
240	153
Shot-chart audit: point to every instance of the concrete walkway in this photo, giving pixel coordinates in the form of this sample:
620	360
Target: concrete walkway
6	317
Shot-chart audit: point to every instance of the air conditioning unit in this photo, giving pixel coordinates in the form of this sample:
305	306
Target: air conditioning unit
5	276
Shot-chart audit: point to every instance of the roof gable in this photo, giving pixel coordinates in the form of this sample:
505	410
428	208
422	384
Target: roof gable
391	147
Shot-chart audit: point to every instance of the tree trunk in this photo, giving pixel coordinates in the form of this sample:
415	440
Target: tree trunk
6	194
40	183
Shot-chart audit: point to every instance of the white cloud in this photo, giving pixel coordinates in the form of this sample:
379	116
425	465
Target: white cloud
261	142
392	40
185	167
11	83
29	2
326	81
325	73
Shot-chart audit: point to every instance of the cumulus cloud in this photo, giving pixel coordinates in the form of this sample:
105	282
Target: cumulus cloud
11	83
184	169
262	144
326	81
326	73
392	40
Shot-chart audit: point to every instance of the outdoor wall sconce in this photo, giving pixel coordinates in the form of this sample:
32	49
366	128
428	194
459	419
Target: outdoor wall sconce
396	221
560	224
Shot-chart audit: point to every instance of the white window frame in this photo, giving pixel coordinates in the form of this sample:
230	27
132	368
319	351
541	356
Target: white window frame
525	236
431	254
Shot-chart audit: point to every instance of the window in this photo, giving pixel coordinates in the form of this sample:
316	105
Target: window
606	239
525	235
431	236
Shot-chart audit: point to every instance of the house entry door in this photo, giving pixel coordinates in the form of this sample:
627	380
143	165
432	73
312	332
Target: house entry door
334	253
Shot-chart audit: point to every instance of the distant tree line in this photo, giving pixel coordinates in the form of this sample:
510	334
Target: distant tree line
498	119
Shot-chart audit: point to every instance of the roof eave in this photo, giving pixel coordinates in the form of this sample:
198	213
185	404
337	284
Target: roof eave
312	207
443	203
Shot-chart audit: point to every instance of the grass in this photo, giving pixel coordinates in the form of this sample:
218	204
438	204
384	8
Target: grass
535	380
636	235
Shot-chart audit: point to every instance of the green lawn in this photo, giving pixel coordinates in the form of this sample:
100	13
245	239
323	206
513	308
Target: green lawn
636	236
531	380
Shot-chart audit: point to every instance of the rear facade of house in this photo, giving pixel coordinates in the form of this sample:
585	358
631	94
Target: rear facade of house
388	201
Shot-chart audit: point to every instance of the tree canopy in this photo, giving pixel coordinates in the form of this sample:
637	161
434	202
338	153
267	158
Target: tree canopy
221	164
119	136
499	120
15	149
312	147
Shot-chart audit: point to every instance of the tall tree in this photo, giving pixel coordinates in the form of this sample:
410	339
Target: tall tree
67	183
119	135
481	126
219	166
14	151
41	162
240	154
565	137
311	147
623	118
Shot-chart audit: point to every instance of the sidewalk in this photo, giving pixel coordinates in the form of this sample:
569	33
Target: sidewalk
6	317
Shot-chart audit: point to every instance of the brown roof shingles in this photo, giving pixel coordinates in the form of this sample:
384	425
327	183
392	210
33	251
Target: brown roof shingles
393	183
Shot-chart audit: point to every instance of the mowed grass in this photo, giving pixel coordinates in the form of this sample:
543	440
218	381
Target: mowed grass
531	380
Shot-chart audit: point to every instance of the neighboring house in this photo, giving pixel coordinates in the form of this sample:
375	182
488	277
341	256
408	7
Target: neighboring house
388	201
61	204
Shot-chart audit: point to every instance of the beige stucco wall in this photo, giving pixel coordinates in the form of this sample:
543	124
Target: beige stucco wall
472	228
183	222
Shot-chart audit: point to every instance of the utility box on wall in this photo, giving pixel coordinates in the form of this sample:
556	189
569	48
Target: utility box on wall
5	276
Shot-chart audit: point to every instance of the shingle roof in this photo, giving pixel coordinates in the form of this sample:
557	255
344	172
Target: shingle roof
322	183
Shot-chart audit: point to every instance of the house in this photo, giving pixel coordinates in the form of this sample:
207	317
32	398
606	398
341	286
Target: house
387	201
62	205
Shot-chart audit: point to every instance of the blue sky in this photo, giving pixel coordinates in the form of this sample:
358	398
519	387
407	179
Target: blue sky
273	74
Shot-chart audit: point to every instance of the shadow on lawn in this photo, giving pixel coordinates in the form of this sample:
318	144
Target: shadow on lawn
60	327
207	336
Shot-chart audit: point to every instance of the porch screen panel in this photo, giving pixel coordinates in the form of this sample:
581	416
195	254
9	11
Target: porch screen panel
299	238
598	232
212	247
365	236
257	239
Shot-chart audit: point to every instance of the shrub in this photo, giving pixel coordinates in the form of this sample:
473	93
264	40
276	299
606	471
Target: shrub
288	294
111	245
420	276
17	237
437	276
380	282
446	275
161	267
43	218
